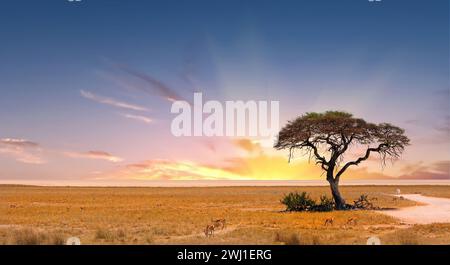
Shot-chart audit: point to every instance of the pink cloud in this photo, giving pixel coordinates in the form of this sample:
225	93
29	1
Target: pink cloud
21	150
94	155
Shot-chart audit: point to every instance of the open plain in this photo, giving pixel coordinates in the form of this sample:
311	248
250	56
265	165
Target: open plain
253	215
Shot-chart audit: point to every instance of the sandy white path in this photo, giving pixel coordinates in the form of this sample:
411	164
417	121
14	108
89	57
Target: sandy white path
436	210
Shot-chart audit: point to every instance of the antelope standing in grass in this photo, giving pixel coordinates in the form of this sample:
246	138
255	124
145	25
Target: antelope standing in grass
209	230
351	221
329	221
218	223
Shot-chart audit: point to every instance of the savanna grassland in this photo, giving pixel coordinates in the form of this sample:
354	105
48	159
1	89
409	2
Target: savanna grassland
254	215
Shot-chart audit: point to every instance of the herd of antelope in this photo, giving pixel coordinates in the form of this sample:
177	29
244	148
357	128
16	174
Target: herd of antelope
350	221
215	224
220	224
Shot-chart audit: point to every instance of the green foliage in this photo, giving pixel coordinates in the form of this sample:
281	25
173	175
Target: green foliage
298	202
327	115
301	202
325	205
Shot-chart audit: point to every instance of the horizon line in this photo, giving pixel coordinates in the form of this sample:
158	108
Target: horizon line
225	183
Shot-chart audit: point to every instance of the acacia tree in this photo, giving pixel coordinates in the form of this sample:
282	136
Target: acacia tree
326	137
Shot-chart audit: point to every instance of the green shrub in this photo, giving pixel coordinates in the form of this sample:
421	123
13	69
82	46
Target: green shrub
326	204
298	202
301	202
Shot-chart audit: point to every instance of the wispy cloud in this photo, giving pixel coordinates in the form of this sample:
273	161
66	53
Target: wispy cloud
154	86
21	150
111	101
140	118
261	167
436	170
14	142
160	169
258	167
248	145
94	155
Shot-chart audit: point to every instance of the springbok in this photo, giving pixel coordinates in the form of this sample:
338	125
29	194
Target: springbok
329	221
209	230
218	223
351	221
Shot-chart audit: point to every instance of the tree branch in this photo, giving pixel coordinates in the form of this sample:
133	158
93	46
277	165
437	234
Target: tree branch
359	160
320	158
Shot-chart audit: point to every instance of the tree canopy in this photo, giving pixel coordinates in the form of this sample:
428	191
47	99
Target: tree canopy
327	136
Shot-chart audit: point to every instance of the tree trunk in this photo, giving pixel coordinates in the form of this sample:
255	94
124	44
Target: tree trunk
338	200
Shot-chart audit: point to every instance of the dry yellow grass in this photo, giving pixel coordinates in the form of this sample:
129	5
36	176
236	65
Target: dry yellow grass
178	216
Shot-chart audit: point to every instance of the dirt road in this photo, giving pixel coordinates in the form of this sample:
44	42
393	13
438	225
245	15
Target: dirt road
435	210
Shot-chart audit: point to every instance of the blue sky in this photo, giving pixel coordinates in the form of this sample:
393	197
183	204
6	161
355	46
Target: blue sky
384	61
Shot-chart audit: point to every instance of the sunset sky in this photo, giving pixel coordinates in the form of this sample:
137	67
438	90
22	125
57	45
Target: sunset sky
86	87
